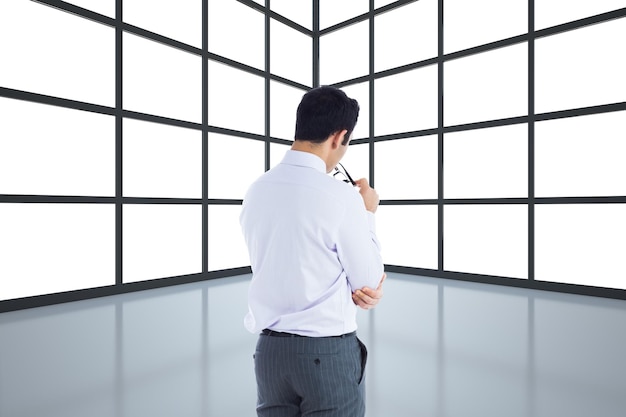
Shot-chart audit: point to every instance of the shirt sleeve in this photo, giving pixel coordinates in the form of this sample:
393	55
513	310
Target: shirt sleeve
358	248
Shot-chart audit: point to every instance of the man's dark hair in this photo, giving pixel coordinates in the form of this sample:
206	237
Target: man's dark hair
323	111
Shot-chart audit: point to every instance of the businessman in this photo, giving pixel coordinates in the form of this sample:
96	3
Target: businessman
315	258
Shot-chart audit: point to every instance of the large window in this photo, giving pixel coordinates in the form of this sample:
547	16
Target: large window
493	134
130	132
496	135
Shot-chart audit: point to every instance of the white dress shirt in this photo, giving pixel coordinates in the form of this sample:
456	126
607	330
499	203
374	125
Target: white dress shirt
311	244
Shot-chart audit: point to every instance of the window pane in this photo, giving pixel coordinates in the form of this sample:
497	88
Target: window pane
486	239
581	67
277	153
381	3
236	99
473	23
300	12
486	163
237	31
180	20
333	12
284	101
361	93
161	160
56	53
581	244
405	34
44	147
161	240
234	163
49	248
581	156
408	235
406	102
551	12
291	53
344	54
161	80
227	247
105	7
407	168
487	86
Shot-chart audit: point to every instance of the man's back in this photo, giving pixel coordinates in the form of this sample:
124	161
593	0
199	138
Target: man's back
303	228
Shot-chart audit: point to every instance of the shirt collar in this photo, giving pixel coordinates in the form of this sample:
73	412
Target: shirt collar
304	159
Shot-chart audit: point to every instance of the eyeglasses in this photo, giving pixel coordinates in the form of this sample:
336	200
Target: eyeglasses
343	174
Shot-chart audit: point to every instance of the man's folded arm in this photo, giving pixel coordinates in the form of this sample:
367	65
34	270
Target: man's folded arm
359	250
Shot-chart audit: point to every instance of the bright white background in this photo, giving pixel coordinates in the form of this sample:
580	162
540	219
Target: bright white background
56	151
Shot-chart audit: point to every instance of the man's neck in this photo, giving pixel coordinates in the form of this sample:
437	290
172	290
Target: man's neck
318	149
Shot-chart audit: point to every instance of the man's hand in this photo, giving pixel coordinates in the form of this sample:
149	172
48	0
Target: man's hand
367	298
369	195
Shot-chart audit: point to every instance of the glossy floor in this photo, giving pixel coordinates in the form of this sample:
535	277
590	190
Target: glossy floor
437	348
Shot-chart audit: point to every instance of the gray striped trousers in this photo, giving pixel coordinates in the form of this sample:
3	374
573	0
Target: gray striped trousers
301	376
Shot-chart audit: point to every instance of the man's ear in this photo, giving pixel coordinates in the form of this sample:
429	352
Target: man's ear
337	138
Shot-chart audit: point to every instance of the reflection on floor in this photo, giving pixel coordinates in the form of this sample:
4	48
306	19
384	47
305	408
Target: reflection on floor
437	348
